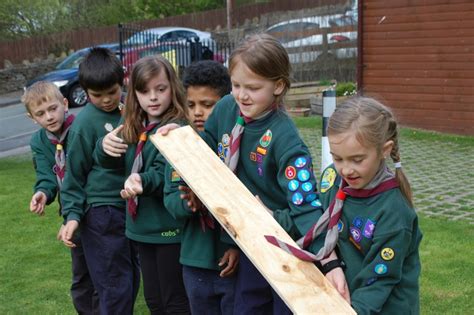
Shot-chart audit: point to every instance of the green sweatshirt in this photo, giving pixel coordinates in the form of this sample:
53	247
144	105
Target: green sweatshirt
153	223
200	247
44	161
86	183
378	240
274	164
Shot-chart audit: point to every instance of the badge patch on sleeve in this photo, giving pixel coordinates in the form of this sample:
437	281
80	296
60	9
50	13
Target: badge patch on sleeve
327	182
266	138
387	253
175	177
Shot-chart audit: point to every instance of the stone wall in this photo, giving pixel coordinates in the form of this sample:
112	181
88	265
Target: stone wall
14	77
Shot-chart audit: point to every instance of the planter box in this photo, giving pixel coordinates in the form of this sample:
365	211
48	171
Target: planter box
299	112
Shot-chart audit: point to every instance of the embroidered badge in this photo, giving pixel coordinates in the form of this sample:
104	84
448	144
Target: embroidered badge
307	187
260	170
290	172
316	203
175	176
301	162
266	138
253	156
293	185
381	269
225	140
226	152
387	253
356	235
358	222
357	245
108	127
303	175
369	228
259	158
310	197
261	150
340	226
329	177
297	198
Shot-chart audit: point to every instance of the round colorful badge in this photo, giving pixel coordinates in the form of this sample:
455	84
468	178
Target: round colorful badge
266	138
381	269
387	253
293	185
297	198
307	187
303	175
340	226
219	148
316	203
356	234
290	172
310	197
301	162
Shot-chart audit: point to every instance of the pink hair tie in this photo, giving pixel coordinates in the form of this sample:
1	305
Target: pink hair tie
398	165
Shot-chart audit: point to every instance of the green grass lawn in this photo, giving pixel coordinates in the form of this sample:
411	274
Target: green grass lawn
35	268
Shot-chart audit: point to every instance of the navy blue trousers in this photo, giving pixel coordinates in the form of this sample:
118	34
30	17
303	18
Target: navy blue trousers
253	294
111	258
208	293
162	279
84	297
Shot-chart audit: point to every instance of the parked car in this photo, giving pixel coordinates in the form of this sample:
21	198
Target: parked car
66	76
299	35
154	36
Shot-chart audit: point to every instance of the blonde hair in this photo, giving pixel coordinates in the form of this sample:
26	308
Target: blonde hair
144	70
373	124
265	56
39	93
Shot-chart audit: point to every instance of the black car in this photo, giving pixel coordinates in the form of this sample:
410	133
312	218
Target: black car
66	76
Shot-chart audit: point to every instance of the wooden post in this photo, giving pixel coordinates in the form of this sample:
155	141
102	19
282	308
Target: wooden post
300	284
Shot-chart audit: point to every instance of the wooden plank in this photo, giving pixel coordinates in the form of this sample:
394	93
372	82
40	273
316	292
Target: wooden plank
468	83
300	284
421	74
372	64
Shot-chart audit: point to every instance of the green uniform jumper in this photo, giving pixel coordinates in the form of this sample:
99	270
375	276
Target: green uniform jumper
91	194
275	164
378	240
153	223
44	161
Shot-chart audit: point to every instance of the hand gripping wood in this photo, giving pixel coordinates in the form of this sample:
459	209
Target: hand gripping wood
300	284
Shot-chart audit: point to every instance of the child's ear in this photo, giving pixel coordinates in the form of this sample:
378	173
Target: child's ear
31	117
66	104
279	87
387	148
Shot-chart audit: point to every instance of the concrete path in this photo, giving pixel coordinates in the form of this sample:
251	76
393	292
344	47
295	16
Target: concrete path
441	175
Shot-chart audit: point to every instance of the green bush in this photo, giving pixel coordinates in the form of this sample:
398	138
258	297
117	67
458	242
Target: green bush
346	89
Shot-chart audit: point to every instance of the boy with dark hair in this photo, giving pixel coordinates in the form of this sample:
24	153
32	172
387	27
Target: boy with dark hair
208	256
205	82
47	107
91	193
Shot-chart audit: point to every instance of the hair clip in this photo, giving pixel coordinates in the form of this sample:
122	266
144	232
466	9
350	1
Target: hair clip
398	165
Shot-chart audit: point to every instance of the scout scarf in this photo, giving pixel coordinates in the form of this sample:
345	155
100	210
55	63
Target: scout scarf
384	180
60	155
138	164
236	136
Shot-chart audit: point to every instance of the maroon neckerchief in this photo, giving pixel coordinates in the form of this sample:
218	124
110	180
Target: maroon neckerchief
60	155
330	218
138	164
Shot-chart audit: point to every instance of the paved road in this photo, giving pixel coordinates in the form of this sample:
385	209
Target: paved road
16	129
